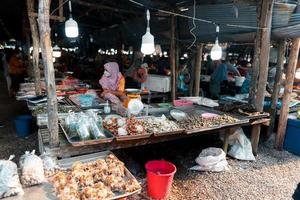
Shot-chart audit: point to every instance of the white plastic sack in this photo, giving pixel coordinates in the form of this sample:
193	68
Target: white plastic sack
9	179
240	146
32	169
211	159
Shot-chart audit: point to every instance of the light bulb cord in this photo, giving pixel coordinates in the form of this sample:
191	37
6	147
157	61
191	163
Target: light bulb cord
148	19
70	9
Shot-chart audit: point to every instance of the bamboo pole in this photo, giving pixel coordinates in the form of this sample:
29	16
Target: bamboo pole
45	39
198	69
173	56
290	76
35	45
276	88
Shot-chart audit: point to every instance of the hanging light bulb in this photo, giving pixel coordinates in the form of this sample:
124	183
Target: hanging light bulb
147	47
71	26
56	52
216	51
297	75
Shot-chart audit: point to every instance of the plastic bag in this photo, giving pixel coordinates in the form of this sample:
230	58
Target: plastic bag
9	179
32	169
211	159
95	131
71	122
240	146
50	164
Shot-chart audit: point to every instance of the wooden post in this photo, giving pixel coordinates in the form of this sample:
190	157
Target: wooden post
290	76
260	63
45	39
173	57
276	88
262	51
35	45
198	69
191	70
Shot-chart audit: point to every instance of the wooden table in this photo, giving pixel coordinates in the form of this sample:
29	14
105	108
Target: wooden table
66	149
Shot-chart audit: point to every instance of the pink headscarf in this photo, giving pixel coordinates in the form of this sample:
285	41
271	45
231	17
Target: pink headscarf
115	76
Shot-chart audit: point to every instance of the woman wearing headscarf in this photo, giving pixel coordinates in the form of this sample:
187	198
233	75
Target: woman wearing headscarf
112	83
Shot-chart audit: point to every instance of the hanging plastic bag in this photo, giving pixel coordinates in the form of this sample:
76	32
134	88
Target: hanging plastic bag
211	159
32	169
9	179
240	146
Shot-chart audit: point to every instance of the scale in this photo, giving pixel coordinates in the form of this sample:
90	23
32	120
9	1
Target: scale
133	103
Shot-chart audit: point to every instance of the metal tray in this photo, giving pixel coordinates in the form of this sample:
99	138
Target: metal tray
67	163
76	142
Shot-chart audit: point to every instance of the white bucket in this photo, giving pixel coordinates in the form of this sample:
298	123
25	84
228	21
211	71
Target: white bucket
239	80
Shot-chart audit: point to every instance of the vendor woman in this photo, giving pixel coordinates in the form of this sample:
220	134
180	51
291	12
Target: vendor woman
112	83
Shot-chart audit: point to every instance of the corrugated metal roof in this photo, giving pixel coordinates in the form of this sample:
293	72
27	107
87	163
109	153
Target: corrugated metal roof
244	15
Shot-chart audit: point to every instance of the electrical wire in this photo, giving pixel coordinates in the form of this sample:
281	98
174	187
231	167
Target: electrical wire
198	19
194	26
59	7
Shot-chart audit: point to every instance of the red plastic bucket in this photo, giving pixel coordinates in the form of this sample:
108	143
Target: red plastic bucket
160	175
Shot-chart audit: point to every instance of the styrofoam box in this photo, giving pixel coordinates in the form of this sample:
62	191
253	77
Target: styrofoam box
158	83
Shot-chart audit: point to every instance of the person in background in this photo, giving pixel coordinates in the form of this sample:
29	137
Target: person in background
209	65
183	78
5	71
163	66
112	83
231	67
132	79
246	84
17	71
218	79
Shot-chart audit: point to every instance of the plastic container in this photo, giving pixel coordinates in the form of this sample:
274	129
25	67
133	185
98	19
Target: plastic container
23	125
86	100
292	136
160	175
239	80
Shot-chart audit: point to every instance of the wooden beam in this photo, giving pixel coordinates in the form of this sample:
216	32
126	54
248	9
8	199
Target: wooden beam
46	47
290	76
35	45
173	57
52	17
60	10
276	88
104	7
197	69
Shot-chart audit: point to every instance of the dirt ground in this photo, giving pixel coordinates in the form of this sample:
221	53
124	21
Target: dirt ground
274	174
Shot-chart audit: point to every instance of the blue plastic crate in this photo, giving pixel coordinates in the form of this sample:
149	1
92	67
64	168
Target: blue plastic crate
292	136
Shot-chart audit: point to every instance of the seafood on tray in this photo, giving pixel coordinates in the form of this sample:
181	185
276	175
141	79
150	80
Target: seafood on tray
159	124
100	179
124	126
198	122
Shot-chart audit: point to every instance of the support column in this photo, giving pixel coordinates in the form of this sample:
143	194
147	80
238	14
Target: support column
173	57
198	69
276	88
290	76
260	63
46	47
35	45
